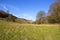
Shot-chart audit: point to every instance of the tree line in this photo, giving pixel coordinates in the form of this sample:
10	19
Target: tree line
53	14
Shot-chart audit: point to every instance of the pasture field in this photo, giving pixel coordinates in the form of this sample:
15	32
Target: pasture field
16	31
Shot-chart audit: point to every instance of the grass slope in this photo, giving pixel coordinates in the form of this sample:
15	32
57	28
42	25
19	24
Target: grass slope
16	31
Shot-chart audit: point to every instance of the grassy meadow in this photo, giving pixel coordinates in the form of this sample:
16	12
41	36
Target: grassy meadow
16	31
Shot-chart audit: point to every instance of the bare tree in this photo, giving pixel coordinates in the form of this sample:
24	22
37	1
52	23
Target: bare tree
39	17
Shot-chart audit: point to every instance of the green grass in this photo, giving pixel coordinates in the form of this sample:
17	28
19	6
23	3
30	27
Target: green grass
16	31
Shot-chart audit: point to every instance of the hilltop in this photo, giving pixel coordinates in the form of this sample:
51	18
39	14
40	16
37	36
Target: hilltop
9	17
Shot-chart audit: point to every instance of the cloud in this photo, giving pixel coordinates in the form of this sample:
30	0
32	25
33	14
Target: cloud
9	7
4	6
27	16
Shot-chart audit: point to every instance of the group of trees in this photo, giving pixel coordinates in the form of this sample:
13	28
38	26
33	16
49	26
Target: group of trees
53	14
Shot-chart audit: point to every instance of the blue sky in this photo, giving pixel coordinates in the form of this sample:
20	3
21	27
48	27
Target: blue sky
27	9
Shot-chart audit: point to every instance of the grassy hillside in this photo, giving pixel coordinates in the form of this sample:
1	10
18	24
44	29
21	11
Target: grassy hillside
23	21
16	31
10	17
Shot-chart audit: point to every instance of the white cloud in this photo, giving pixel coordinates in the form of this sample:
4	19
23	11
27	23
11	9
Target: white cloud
27	16
9	7
4	6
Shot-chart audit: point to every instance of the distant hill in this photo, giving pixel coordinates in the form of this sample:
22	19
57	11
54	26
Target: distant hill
9	17
22	20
